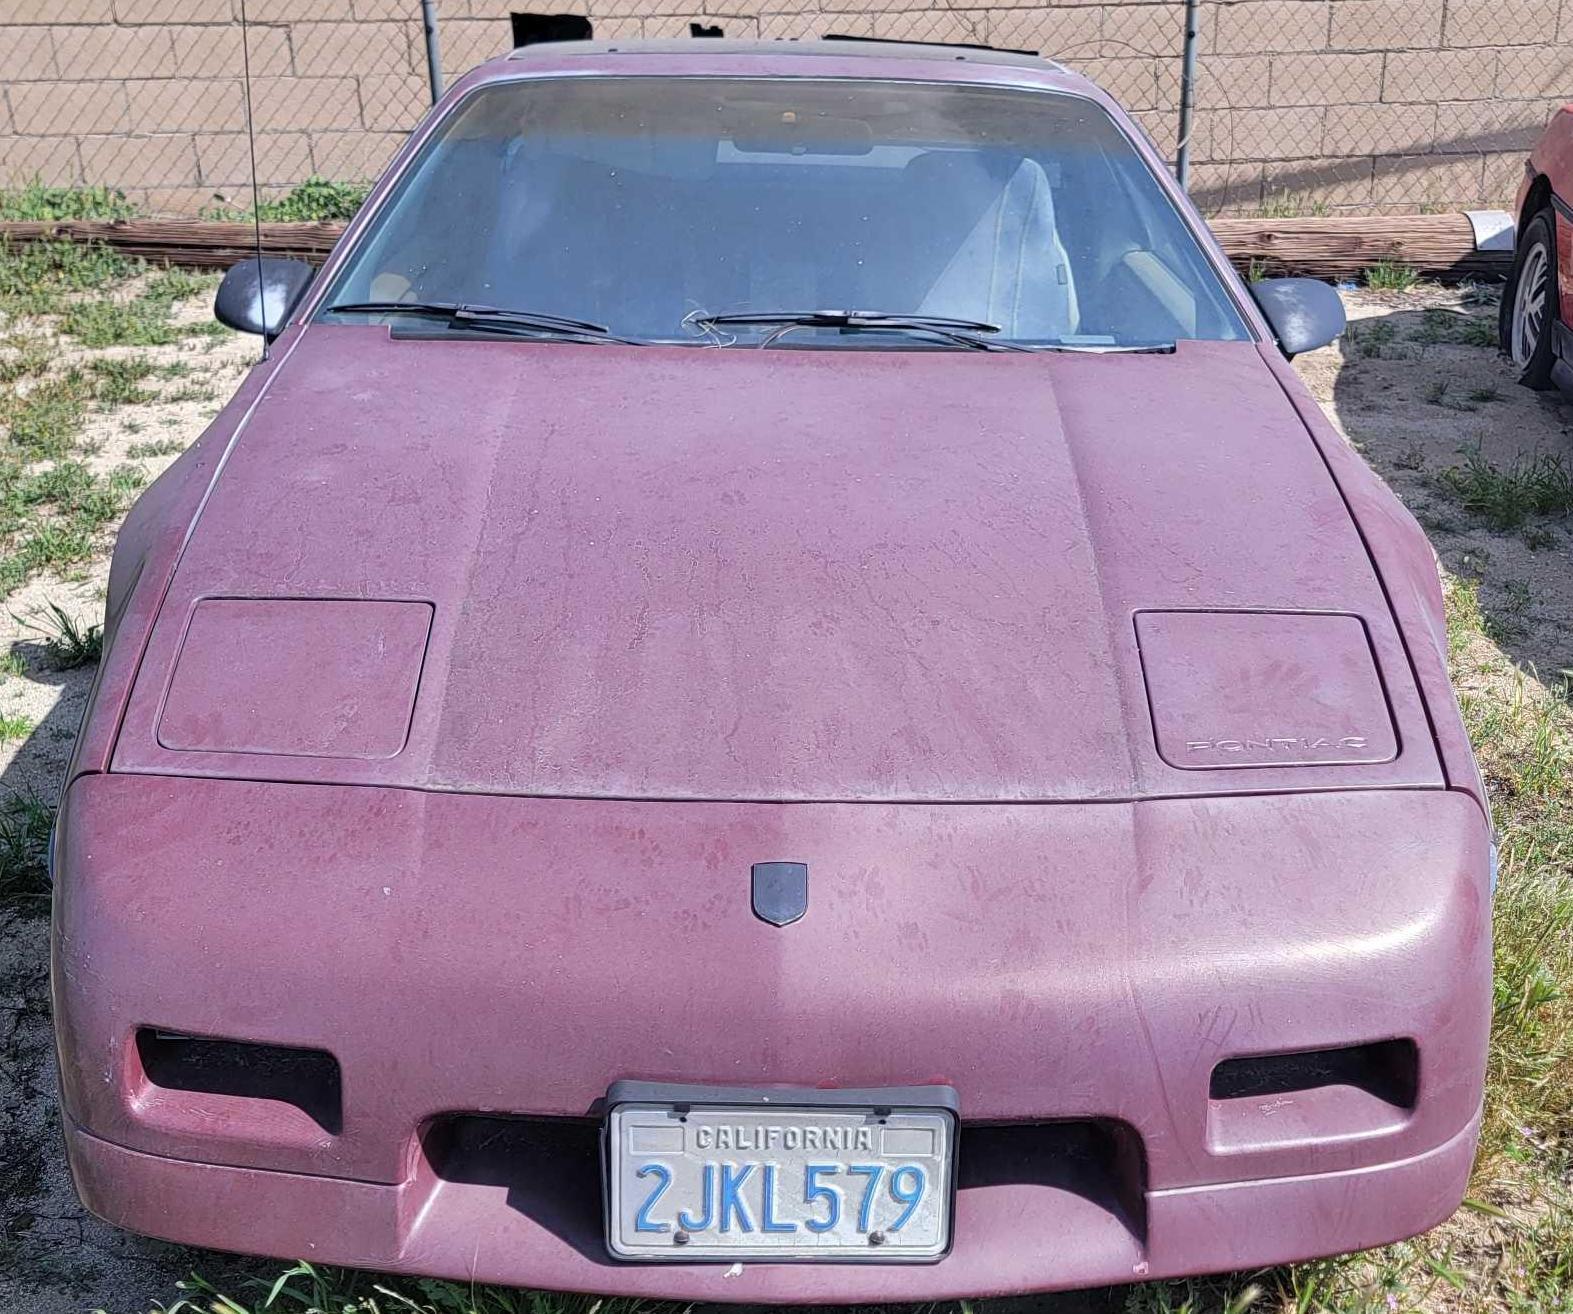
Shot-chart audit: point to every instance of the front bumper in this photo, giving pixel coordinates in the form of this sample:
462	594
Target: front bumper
1009	1238
482	969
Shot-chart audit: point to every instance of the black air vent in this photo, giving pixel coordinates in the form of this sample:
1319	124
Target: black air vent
1388	1069
307	1079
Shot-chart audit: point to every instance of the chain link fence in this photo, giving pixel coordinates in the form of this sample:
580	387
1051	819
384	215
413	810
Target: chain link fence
1300	106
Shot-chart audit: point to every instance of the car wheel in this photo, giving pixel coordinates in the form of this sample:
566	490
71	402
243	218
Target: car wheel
1529	303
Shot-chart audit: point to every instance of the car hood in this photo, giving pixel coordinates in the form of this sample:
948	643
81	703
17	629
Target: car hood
678	573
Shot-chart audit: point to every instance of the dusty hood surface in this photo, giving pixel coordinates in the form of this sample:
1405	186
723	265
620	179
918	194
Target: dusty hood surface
678	573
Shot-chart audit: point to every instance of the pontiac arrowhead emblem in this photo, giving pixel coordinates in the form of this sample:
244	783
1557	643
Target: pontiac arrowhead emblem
780	891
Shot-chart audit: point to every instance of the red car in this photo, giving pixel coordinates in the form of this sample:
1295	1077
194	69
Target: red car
1537	306
775	693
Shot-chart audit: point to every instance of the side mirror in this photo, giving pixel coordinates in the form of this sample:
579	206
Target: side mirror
257	296
1305	313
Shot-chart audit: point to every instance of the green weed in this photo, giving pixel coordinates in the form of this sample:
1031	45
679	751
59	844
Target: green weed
25	823
1285	204
36	277
37	202
1391	276
158	447
316	199
68	642
1506	498
116	379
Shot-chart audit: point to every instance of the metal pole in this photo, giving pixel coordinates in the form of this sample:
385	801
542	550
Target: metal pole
1182	158
433	60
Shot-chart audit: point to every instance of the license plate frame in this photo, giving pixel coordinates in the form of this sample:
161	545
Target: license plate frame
935	1106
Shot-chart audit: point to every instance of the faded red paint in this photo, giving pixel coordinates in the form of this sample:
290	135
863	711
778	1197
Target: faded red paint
888	613
1552	159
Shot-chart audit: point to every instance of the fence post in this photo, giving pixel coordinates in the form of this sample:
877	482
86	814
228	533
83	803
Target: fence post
433	60
1182	157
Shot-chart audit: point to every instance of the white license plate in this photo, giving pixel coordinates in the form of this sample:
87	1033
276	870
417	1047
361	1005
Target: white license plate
692	1182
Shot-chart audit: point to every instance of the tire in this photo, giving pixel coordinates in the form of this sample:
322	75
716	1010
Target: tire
1529	304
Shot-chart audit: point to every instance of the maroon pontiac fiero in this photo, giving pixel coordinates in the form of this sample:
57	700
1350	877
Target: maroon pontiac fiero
775	693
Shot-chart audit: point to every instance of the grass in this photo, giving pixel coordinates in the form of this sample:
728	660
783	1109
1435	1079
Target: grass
1285	204
316	199
1391	276
1369	339
53	506
1507	498
311	1289
38	202
119	379
145	319
1438	326
36	278
68	642
25	823
157	447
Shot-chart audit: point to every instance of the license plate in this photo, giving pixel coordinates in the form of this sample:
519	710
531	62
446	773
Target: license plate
689	1182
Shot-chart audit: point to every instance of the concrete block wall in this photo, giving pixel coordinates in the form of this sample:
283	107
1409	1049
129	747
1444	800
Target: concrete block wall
1340	105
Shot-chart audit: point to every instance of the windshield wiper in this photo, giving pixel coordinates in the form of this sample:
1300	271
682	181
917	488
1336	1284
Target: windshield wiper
488	319
964	332
1107	348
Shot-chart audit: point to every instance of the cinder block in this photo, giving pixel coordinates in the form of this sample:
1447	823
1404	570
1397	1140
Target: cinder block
49	109
204	51
1416	180
179	11
1500	22
328	49
1271	25
1141	29
363	11
292	11
164	160
224	159
353	156
1499	125
1434	75
1542	71
1375	129
187	105
1326	79
298	104
1062	34
91	53
1226	188
806	23
59	11
52	160
1233	81
1500	177
178	202
1132	82
1336	183
394	103
734	24
1386	24
966	25
1276	134
27	54
465	43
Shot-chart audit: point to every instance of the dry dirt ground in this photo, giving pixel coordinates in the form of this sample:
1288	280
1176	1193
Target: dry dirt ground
1412	386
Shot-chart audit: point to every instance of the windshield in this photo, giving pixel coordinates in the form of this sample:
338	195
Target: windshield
674	209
